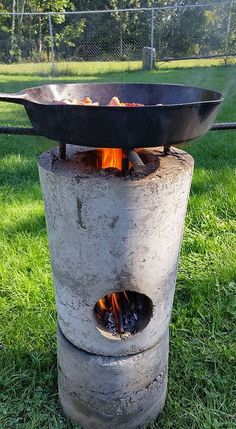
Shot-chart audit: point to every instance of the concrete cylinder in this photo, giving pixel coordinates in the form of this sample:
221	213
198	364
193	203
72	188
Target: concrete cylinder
112	392
109	234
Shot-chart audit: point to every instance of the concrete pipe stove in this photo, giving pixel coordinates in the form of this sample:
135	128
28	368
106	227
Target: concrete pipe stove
115	219
115	238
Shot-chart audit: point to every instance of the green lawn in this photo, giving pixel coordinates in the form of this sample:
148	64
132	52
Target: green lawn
202	351
87	68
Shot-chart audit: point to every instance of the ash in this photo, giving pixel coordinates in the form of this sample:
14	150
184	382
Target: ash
129	323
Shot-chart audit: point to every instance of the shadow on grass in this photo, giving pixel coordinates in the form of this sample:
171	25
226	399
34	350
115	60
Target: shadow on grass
33	225
19	177
27	147
209	185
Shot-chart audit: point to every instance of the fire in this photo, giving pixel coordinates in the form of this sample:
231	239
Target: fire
102	304
110	158
117	310
123	313
113	304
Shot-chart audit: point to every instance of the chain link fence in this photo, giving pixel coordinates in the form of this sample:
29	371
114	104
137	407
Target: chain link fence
113	40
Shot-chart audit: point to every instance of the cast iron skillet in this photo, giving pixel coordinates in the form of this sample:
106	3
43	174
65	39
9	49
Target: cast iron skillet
186	113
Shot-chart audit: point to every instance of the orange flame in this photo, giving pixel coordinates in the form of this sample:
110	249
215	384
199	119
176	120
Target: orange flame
102	305
109	158
113	303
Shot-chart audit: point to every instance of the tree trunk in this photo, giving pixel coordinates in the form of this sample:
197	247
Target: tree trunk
22	11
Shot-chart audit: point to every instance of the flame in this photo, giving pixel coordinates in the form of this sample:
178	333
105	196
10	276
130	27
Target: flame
102	304
109	158
113	303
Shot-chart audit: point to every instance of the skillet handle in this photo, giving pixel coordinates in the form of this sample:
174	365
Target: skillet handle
13	98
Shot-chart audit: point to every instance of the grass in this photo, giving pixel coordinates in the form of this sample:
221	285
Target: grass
69	68
88	68
202	353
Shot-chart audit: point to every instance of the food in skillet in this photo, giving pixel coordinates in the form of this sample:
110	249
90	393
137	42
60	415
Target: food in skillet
116	102
86	101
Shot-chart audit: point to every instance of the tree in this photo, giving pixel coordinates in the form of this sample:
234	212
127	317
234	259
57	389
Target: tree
116	35
5	34
35	38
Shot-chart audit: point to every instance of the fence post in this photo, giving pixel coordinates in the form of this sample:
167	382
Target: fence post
152	37
228	29
51	41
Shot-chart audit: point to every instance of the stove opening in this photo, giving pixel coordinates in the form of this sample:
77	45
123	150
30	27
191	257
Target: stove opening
123	313
133	163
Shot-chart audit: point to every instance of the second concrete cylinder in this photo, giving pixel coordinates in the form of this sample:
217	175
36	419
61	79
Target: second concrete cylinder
112	392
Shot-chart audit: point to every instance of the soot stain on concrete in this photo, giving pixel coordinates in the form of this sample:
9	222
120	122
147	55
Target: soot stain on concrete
79	214
114	221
